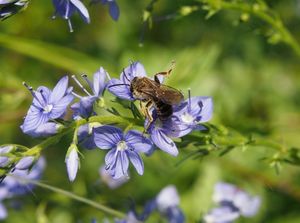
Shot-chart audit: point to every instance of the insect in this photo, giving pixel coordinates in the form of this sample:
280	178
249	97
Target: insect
154	94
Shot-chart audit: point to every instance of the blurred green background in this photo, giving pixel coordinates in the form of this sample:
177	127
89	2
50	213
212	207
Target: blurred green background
255	87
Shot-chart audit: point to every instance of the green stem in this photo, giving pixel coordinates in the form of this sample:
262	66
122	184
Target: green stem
262	13
75	197
287	37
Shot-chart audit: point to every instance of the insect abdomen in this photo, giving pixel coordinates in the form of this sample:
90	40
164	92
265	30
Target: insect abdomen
164	110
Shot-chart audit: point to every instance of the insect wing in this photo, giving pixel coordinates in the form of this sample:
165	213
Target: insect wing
169	95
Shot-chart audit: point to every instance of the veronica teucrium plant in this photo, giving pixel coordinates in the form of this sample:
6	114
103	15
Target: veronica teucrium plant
47	117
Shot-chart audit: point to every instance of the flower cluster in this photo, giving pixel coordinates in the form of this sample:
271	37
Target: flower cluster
166	203
12	185
48	109
233	203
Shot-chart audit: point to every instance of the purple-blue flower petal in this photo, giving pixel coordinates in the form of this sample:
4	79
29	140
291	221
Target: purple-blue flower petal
121	165
137	141
106	137
117	88
59	90
3	211
137	162
162	141
99	82
114	10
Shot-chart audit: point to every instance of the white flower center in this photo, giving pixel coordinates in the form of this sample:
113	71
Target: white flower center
48	108
121	146
187	118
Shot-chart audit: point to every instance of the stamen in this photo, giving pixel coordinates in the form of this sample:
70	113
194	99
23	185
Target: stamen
70	26
80	85
190	101
76	95
43	96
33	93
84	76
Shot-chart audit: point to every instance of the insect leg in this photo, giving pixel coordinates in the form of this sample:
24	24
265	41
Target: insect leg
164	73
148	105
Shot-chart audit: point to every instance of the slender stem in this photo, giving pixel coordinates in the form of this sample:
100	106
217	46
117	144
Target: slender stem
276	22
74	196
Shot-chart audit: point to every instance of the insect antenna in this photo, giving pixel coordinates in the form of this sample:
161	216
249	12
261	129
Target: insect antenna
125	75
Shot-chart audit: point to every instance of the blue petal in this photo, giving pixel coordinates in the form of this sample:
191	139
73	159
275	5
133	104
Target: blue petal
99	82
137	162
175	215
82	10
163	142
221	214
114	10
3	211
207	109
137	141
4	161
60	107
59	90
110	157
121	91
33	120
135	69
45	129
107	137
122	164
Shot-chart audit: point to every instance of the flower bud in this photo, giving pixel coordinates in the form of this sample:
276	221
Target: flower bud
72	162
25	163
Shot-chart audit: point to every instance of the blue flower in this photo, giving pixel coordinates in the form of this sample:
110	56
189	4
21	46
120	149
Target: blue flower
166	203
84	108
114	10
11	7
12	186
122	149
47	105
193	111
121	87
66	8
233	202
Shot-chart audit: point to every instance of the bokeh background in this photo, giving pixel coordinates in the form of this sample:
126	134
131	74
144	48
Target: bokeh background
255	86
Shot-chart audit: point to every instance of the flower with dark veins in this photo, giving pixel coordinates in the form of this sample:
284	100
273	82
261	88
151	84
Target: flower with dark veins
193	111
114	10
46	106
66	9
122	148
121	87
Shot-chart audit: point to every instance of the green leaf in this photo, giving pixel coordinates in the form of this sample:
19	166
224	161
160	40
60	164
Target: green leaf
59	56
